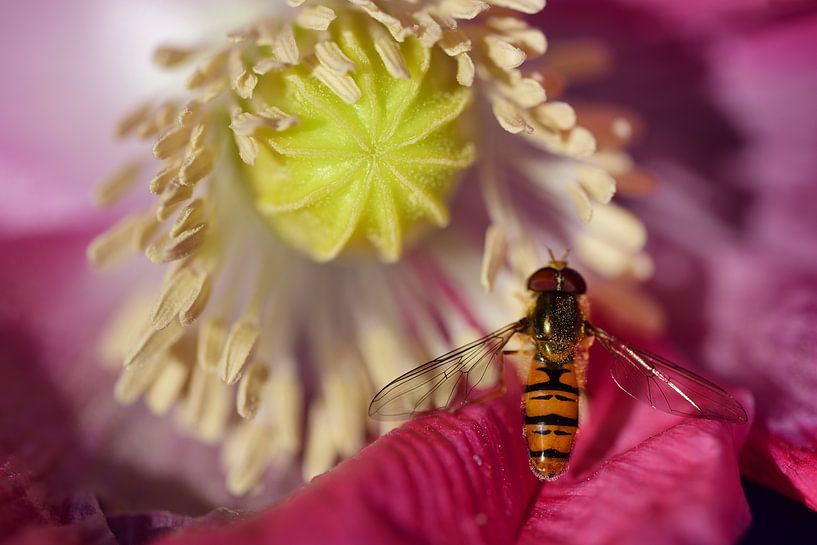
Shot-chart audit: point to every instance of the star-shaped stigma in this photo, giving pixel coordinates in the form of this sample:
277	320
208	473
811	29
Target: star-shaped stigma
371	153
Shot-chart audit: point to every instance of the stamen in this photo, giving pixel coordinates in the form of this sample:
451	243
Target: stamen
284	47
161	181
206	406
525	6
382	352
169	57
245	34
557	116
171	142
577	142
247	455
189	313
455	42
267	65
191	216
391	56
196	166
243	126
162	119
173	247
344	387
123	329
211	343
597	183
109	247
152	343
242	79
286	400
167	385
340	84
613	243
209	71
516	31
504	54
398	31
526	92
132	120
510	118
331	56
581	200
465	70
494	255
319	454
250	390
134	381
315	18
238	346
180	291
463	9
174	196
114	188
430	30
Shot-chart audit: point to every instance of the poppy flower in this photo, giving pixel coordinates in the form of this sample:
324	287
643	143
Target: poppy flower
279	296
401	314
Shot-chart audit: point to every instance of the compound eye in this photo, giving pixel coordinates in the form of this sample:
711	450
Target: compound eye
572	281
545	279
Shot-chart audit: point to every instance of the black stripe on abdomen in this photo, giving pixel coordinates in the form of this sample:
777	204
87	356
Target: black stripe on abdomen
548	432
547	397
551	386
549	453
552	420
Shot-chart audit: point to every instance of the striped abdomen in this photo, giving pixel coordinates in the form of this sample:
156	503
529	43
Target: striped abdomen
551	409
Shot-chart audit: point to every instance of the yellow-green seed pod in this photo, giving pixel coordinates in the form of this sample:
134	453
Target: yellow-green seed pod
379	144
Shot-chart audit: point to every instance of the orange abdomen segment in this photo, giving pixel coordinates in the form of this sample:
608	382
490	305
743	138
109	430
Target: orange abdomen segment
551	410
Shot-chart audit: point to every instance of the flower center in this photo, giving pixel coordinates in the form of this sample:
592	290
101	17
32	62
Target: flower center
376	149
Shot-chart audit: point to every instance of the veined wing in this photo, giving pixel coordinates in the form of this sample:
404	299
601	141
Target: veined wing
448	381
667	386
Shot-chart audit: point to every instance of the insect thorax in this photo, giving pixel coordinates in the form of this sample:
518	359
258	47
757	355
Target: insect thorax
556	325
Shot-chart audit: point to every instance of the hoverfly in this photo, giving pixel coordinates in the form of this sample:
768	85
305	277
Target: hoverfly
557	326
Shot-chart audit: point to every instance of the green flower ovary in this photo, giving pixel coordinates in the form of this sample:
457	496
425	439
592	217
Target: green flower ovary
355	175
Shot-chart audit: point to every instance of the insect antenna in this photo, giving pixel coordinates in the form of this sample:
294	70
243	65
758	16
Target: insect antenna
560	263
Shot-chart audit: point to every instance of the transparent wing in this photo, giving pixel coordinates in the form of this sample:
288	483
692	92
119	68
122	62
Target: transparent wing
667	386
449	381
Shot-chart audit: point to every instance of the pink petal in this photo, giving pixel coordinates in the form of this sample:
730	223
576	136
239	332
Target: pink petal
788	468
35	511
453	478
785	220
767	341
764	79
697	16
681	486
65	94
138	529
